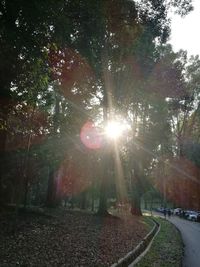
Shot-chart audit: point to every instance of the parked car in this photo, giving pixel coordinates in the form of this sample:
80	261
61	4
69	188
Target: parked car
177	211
187	213
194	216
161	209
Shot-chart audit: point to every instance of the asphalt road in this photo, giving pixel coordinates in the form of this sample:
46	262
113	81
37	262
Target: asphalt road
190	232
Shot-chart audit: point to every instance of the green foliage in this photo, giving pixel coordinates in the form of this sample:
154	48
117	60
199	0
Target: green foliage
59	57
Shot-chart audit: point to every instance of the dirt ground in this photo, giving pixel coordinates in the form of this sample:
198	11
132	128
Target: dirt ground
67	239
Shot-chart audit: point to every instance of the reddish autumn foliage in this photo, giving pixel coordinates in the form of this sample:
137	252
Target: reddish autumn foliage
182	183
72	71
73	178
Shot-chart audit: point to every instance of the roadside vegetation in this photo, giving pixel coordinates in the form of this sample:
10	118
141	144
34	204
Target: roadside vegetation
166	249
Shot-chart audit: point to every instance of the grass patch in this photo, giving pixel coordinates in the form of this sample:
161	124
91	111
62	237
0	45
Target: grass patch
167	248
149	224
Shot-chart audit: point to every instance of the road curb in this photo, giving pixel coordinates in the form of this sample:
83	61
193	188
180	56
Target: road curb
136	252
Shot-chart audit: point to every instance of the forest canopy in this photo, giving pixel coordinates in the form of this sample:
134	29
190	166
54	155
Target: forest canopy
68	70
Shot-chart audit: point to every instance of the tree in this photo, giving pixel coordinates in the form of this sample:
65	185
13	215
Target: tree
102	40
25	31
125	30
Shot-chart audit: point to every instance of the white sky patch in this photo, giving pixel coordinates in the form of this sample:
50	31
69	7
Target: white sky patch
185	31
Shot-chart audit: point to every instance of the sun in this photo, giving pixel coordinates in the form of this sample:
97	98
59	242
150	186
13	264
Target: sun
115	129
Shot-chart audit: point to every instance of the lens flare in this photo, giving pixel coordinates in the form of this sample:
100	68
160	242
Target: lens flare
91	136
115	129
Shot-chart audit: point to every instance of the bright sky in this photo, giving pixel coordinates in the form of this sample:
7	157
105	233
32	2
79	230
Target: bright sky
185	31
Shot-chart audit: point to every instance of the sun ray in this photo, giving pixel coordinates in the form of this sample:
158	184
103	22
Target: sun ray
120	180
115	129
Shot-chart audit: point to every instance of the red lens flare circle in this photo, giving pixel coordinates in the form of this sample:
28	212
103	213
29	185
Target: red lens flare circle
91	136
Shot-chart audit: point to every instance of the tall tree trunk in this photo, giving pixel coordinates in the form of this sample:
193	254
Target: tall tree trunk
83	200
52	199
51	192
3	136
136	204
92	202
102	210
136	194
5	107
26	170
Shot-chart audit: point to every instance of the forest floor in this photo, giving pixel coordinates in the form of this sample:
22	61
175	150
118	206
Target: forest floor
70	238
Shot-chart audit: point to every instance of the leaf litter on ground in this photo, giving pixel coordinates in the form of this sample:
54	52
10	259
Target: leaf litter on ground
68	239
